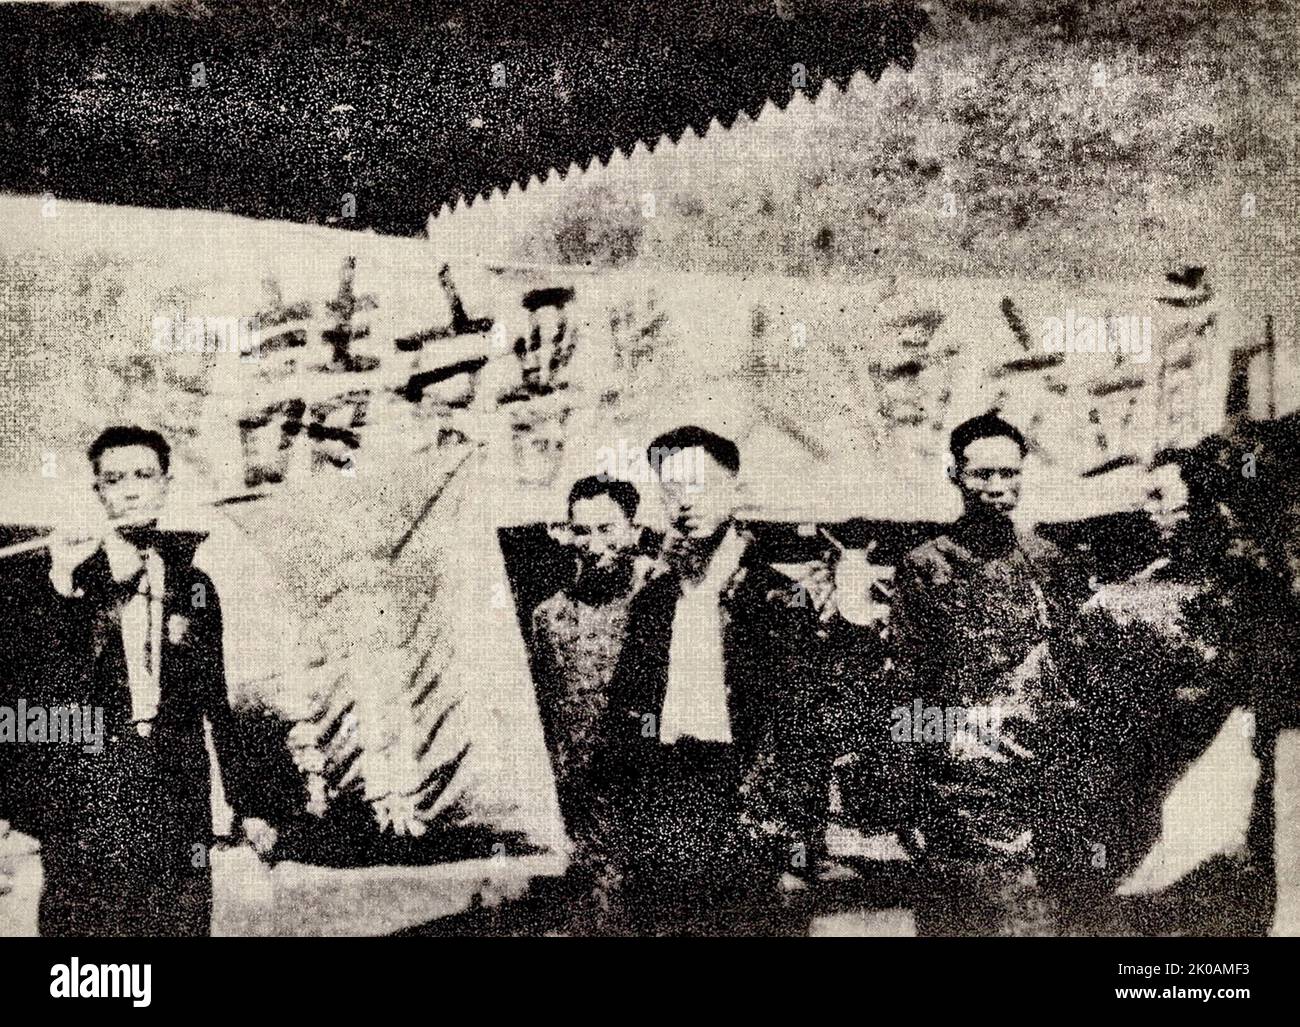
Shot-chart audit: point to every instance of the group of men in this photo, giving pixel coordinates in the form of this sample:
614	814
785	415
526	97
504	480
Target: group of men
696	700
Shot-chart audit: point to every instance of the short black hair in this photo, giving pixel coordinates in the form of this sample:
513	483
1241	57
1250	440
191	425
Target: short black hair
624	493
725	452
129	435
986	426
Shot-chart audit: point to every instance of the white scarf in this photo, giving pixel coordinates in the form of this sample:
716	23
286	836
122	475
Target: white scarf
141	627
695	702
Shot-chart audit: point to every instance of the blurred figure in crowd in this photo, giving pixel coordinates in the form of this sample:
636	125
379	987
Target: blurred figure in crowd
1166	655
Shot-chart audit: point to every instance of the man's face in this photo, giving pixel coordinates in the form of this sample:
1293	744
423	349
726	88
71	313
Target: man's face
699	494
1167	499
602	533
989	476
131	484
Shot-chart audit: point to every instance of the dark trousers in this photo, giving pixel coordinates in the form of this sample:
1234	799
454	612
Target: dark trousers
688	859
81	899
994	896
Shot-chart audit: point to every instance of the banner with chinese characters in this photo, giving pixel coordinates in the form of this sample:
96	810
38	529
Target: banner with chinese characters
398	411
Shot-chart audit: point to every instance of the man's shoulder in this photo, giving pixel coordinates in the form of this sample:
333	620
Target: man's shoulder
186	575
192	589
755	575
936	558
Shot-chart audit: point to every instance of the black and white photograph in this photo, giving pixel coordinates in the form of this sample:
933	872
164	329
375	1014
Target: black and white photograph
645	469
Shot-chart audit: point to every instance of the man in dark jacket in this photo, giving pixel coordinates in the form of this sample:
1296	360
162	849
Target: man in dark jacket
123	625
1166	654
974	616
718	652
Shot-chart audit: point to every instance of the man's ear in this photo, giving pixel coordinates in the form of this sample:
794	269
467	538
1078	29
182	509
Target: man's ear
954	472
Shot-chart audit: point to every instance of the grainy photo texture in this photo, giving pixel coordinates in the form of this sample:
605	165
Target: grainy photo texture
641	468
